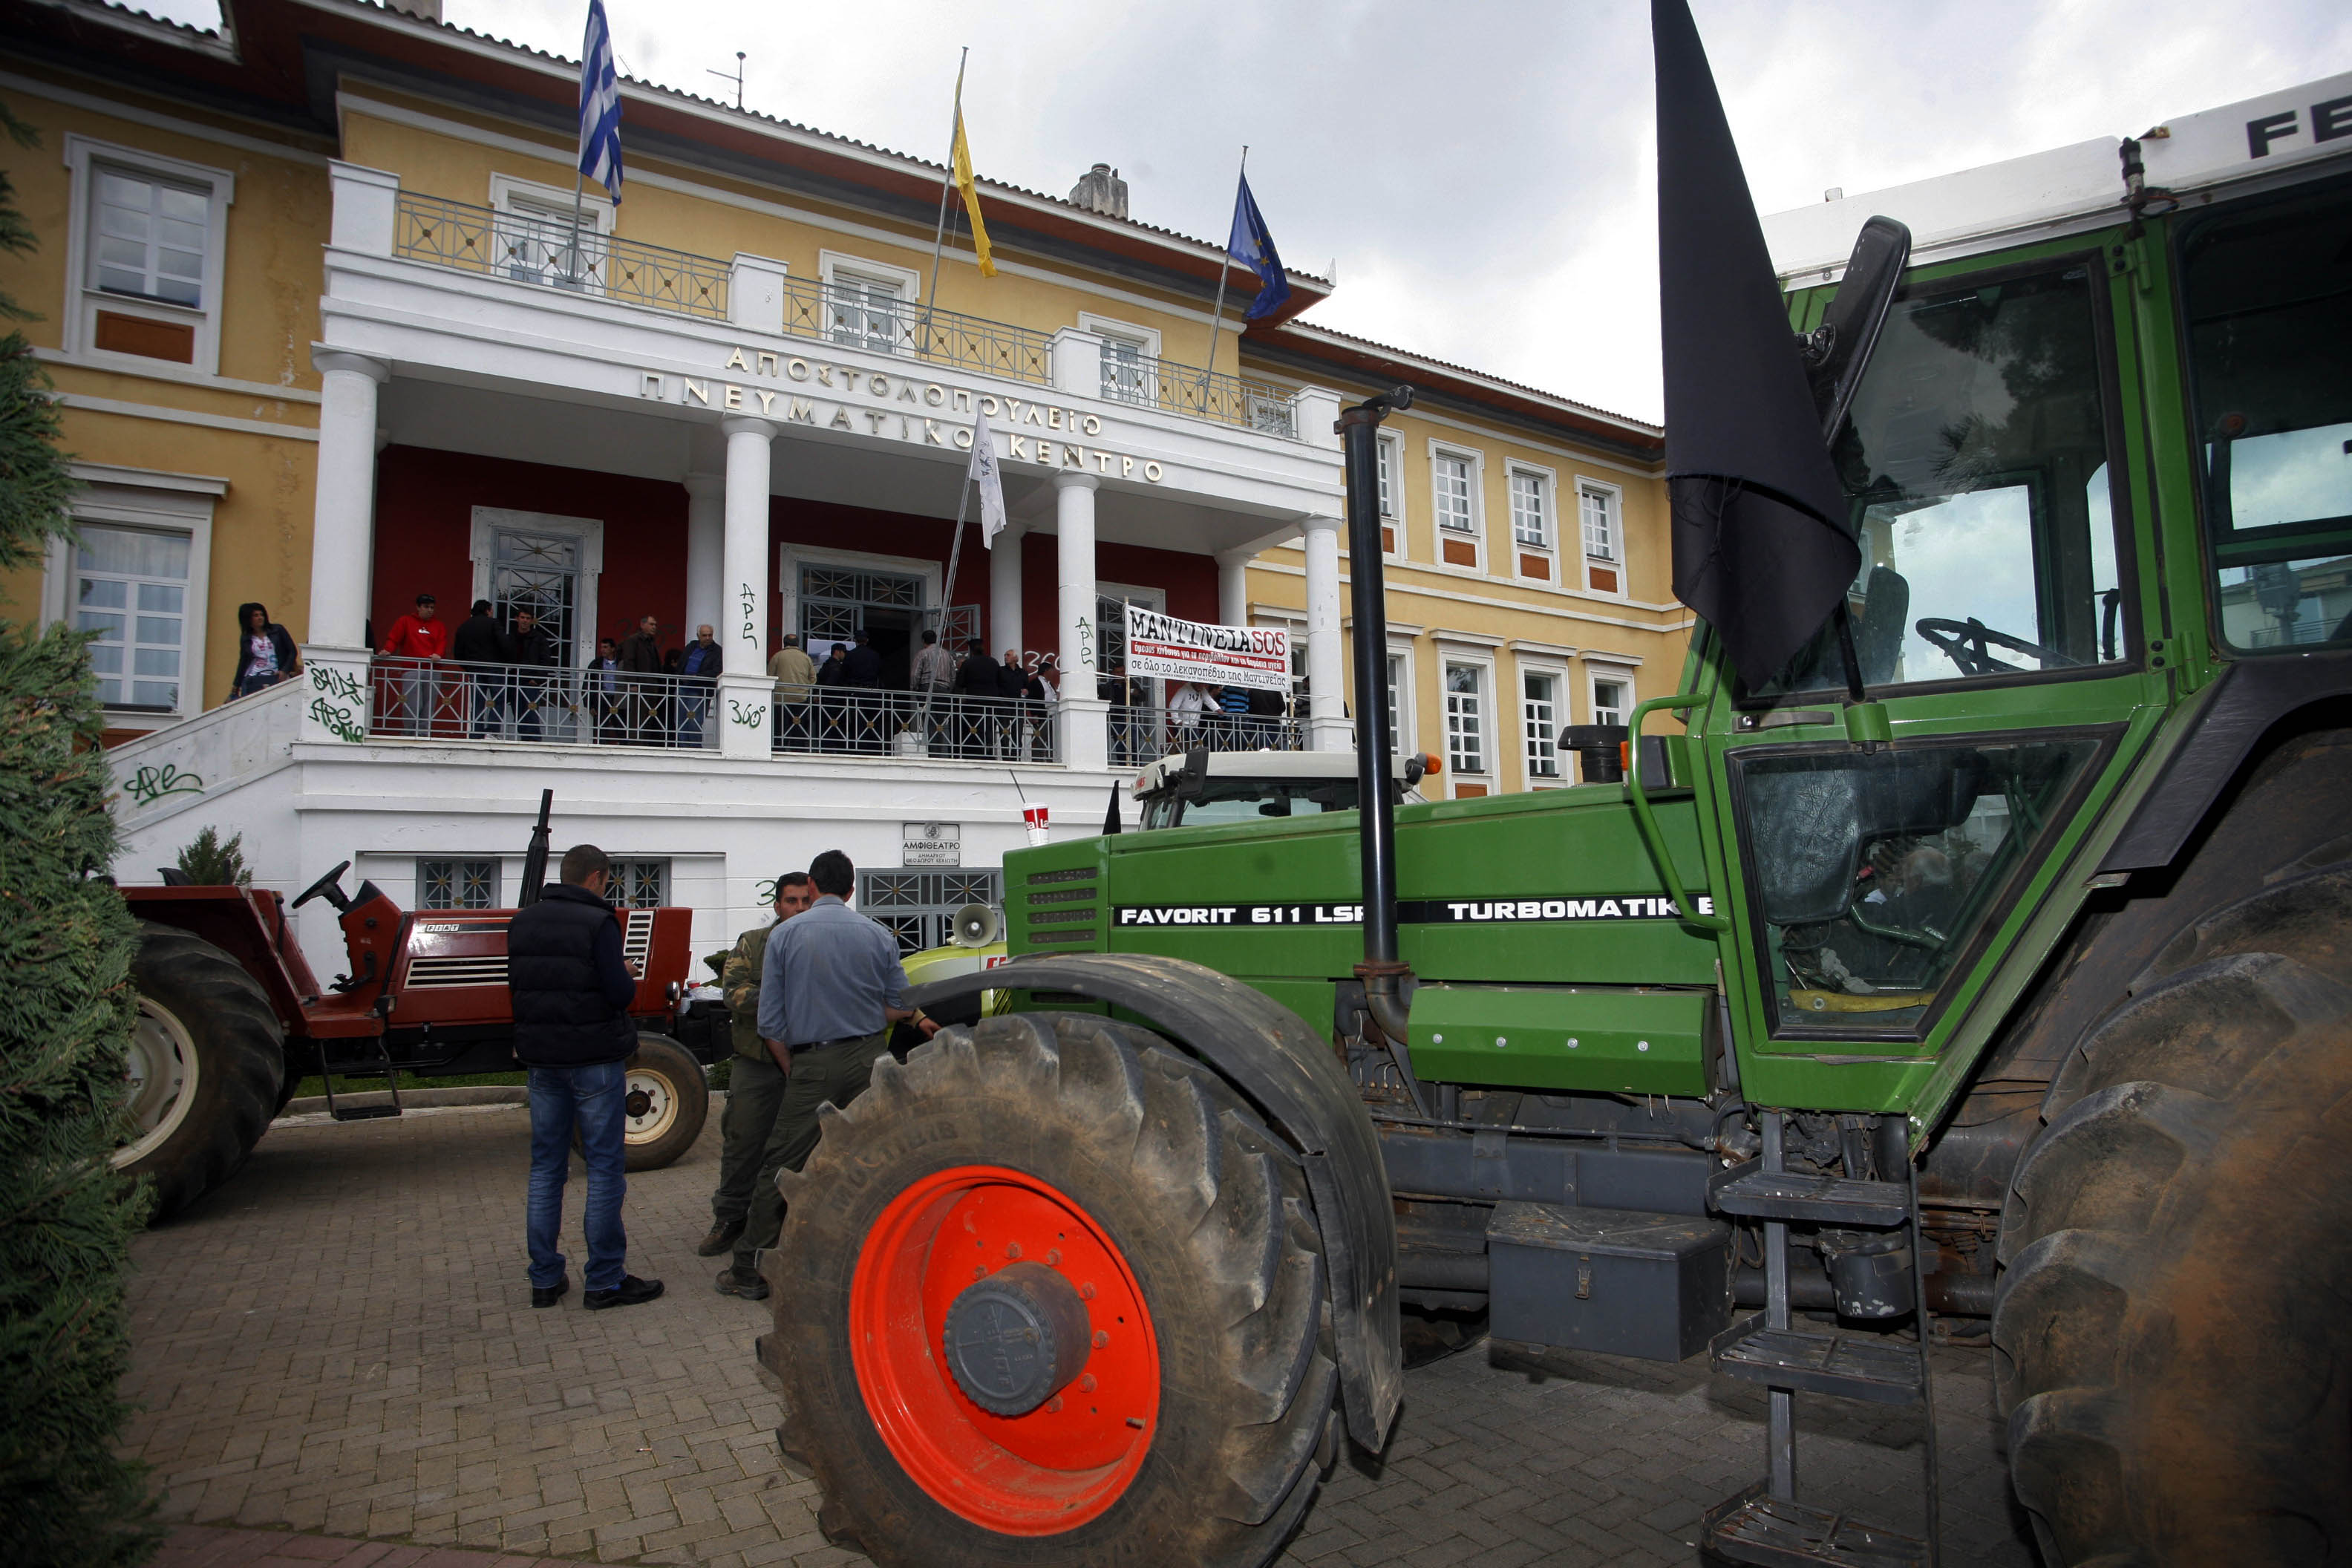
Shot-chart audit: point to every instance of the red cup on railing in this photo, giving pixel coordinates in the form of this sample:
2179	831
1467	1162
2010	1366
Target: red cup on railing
1034	816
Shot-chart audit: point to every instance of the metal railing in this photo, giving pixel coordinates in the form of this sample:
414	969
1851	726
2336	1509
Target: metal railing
552	254
1140	735
1200	394
443	699
856	721
857	319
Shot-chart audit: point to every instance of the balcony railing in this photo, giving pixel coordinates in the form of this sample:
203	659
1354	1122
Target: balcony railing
845	722
1199	393
442	700
553	254
1140	735
855	319
550	253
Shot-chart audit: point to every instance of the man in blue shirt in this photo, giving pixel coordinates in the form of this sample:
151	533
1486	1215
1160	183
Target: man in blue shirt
830	987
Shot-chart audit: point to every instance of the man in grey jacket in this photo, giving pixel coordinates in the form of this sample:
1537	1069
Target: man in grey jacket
830	987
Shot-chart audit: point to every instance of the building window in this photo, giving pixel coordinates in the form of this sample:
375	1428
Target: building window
1530	510
919	907
1607	702
146	248
457	884
865	302
1450	476
1539	710
148	236
1466	717
1127	374
1604	546
1390	451
1397	695
130	587
640	884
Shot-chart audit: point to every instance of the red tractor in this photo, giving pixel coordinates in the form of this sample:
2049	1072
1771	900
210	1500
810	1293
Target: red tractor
231	1019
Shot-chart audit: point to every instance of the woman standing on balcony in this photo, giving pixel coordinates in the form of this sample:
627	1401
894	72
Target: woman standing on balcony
266	653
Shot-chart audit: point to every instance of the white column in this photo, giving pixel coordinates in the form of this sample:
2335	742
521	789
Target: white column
1327	703
343	519
744	690
706	550
1232	587
1004	622
1085	738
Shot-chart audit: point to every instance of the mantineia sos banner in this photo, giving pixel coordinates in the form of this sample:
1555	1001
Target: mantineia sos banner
1161	648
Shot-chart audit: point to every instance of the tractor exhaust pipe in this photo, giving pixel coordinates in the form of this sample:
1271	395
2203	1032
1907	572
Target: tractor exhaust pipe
1382	973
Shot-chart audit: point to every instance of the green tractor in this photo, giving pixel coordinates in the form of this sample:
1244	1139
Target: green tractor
1968	943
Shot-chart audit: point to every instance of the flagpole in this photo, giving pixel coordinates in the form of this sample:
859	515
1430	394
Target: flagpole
1217	311
939	237
578	198
947	589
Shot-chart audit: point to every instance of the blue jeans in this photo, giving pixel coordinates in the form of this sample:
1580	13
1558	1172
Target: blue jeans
595	1098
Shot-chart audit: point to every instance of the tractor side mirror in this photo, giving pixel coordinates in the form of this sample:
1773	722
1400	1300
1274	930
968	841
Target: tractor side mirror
1839	350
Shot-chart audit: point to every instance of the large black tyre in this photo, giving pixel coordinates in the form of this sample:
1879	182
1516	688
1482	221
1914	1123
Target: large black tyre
1211	1214
208	1060
2173	1330
669	1101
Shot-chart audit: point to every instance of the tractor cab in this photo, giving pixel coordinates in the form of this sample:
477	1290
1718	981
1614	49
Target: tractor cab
1200	786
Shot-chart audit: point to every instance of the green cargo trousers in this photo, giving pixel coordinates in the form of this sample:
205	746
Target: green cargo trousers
755	1091
822	1075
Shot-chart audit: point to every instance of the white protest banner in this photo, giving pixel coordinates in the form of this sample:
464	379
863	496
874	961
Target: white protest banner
1161	648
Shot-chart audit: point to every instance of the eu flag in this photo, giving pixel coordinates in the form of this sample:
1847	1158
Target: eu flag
1252	247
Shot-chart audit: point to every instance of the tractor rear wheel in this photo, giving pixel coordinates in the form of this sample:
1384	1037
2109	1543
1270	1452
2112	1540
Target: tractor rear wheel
2171	1328
1050	1294
668	1099
207	1062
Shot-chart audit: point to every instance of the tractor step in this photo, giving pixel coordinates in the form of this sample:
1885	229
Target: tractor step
1812	1199
364	1112
1853	1366
1777	1532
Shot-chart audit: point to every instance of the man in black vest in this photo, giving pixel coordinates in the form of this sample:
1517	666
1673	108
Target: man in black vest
572	988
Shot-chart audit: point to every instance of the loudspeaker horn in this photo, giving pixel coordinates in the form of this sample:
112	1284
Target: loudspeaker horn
977	925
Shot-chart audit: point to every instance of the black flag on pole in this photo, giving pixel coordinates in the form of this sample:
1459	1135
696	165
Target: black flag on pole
1763	547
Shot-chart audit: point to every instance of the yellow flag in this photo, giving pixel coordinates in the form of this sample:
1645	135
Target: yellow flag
961	160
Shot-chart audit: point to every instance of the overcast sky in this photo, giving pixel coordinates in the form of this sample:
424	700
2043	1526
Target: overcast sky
1480	171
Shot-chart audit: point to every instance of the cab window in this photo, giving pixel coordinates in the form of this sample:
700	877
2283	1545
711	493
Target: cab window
2267	293
1974	462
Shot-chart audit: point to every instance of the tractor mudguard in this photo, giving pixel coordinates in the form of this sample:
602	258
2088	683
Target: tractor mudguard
2250	698
1291	1074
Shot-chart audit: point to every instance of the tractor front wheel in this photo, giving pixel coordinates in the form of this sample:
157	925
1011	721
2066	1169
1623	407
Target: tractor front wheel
668	1099
207	1062
2171	1330
1050	1294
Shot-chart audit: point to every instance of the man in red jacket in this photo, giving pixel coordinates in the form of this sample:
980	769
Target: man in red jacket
422	639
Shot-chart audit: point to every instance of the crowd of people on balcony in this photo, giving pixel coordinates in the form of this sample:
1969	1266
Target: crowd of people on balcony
505	680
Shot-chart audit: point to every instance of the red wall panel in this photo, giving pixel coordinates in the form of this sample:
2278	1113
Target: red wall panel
423	524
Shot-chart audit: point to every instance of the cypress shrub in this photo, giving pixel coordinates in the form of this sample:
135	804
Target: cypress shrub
66	1011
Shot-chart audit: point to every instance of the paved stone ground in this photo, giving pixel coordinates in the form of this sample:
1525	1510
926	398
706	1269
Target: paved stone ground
340	1343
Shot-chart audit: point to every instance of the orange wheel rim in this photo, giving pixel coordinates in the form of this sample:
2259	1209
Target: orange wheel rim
1051	1468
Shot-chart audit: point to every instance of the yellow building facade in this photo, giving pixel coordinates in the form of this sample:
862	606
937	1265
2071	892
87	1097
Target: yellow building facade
329	336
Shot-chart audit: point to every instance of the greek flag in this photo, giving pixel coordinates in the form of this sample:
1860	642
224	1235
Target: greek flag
599	106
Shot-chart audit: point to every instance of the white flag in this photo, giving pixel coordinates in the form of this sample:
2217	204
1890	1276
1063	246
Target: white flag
982	473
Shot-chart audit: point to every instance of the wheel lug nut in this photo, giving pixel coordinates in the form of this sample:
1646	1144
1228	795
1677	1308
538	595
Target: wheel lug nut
1054	1405
1054	1255
1101	1339
1086	1292
1014	1250
1086	1382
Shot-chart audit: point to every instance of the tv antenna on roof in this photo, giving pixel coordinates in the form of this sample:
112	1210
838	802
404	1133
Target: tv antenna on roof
737	77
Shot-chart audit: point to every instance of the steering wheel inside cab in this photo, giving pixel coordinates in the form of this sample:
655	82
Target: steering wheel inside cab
1969	645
